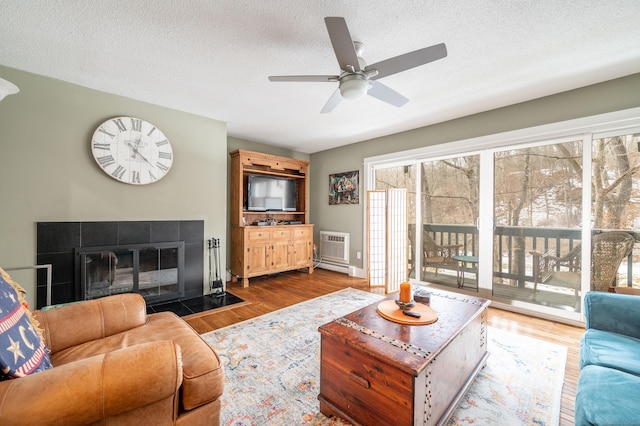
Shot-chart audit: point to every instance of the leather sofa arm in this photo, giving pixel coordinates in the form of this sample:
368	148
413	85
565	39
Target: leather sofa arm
618	313
99	387
82	322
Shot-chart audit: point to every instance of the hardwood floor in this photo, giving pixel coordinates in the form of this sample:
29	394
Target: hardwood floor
269	293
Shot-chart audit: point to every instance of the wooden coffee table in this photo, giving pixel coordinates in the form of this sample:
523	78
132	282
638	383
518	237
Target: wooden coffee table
375	371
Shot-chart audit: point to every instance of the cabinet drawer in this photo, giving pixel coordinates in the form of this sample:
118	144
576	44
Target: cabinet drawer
301	232
280	234
258	235
370	391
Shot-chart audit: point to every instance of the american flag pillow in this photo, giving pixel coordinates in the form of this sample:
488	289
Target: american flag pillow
22	351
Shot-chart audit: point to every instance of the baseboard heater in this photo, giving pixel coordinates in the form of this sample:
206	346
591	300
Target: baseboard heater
334	251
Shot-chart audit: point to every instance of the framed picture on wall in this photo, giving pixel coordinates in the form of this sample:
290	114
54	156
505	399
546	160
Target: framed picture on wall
344	188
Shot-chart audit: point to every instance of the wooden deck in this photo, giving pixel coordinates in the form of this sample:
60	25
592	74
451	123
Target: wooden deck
546	295
269	293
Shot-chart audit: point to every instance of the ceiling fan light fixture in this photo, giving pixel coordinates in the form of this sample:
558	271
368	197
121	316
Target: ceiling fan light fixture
357	79
353	87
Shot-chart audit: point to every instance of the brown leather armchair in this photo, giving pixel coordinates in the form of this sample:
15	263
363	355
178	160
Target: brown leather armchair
114	364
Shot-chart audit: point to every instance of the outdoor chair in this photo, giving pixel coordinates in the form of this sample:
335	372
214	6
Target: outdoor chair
437	256
433	254
609	249
633	291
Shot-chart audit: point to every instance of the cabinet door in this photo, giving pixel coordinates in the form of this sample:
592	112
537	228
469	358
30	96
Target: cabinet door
259	257
302	247
258	251
280	257
301	255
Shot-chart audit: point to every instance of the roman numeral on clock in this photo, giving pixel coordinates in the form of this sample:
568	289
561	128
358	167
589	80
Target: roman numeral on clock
165	155
162	167
101	130
118	122
136	124
105	146
106	160
135	177
119	172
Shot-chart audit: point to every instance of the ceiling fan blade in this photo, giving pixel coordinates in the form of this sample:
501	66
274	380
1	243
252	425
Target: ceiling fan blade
386	94
332	103
342	43
304	78
408	60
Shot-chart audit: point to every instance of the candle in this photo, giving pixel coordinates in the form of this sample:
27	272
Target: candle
405	292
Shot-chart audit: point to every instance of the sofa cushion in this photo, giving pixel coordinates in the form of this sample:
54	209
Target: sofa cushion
613	312
612	350
203	373
22	351
606	397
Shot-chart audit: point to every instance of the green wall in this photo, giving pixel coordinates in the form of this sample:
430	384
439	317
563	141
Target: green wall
47	172
614	95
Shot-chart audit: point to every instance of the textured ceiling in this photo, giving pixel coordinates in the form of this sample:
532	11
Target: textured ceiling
212	58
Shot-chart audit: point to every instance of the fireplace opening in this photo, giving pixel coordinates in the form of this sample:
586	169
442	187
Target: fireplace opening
154	270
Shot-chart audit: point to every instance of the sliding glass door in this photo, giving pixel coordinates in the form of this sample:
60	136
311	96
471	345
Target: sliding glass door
442	233
538	216
615	209
532	222
449	211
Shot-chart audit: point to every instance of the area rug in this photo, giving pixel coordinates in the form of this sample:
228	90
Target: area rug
272	367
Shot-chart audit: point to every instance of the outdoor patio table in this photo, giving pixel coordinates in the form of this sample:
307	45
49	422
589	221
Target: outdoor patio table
473	260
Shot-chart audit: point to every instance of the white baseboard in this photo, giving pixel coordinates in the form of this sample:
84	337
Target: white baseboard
352	271
334	267
357	272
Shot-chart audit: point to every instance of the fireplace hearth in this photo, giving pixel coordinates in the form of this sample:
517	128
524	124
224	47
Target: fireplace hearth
162	260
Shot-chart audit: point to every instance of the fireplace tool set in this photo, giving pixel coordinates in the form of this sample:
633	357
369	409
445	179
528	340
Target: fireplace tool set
216	285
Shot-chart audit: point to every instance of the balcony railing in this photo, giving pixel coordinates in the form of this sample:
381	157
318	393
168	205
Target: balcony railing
514	264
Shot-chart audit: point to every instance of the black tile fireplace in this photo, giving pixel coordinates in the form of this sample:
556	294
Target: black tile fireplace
155	270
162	260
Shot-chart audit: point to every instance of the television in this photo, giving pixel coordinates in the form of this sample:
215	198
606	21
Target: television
271	193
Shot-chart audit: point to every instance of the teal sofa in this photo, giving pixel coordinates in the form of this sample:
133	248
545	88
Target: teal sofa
609	385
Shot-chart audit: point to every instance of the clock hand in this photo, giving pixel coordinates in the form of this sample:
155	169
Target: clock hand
135	150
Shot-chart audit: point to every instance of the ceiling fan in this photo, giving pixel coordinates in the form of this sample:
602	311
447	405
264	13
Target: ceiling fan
358	79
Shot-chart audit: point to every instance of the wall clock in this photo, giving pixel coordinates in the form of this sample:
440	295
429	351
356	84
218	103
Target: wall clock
132	150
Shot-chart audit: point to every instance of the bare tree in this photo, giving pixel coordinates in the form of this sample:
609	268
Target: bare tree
612	182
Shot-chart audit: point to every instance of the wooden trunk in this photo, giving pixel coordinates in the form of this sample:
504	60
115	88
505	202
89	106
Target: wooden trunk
375	371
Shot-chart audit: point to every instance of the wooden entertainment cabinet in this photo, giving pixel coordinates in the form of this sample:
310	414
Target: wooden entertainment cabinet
265	242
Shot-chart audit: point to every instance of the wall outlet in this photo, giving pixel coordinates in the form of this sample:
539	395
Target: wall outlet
358	255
